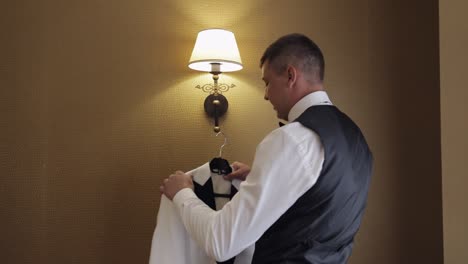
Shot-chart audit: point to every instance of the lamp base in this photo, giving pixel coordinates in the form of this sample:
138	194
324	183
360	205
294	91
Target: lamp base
216	105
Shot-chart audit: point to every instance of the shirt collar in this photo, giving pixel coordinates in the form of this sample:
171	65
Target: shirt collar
201	174
315	98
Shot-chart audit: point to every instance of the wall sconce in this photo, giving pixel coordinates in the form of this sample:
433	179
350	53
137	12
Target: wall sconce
215	51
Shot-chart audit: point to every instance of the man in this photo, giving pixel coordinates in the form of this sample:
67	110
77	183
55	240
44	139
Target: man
303	199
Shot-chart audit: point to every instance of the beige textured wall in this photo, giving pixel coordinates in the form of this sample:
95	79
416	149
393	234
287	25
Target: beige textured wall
23	136
454	111
98	106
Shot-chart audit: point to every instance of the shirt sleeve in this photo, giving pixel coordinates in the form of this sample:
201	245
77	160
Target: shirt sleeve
285	167
170	238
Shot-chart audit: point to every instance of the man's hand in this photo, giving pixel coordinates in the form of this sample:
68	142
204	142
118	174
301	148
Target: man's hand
240	171
176	182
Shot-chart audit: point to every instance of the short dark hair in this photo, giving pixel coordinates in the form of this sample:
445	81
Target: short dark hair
296	49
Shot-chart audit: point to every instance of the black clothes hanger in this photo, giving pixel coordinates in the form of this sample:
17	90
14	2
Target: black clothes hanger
218	164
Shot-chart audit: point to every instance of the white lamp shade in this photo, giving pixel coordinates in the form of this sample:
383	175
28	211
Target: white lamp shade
215	46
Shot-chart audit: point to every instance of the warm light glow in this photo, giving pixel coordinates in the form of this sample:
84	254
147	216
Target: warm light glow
215	46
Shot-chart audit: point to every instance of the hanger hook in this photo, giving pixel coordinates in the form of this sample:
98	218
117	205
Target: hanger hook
225	143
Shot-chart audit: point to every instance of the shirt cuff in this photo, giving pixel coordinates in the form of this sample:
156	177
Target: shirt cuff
183	195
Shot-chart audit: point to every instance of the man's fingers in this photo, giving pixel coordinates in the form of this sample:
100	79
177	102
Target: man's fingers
235	165
231	175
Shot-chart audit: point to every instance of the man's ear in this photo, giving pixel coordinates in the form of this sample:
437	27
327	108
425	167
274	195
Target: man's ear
292	75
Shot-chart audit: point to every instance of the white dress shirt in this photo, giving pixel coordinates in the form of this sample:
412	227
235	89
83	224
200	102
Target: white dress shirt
171	243
287	163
